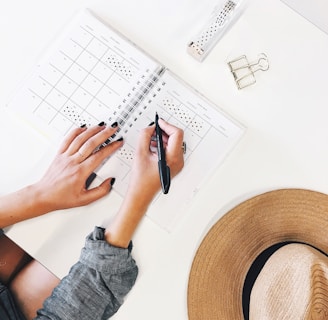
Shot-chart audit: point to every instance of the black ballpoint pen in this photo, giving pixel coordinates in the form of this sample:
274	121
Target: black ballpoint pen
164	170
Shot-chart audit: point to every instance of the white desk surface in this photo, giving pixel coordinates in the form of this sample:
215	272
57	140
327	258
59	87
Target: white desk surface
285	112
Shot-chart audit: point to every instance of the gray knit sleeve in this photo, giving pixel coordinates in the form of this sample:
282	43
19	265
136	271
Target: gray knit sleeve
96	285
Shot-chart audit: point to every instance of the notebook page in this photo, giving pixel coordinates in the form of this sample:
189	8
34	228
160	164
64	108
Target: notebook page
209	133
82	79
93	74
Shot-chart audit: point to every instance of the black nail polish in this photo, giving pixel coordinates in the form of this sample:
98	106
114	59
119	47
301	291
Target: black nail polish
102	123
114	125
90	179
112	181
83	126
120	139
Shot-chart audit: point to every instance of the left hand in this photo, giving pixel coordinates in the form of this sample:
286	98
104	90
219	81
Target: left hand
63	185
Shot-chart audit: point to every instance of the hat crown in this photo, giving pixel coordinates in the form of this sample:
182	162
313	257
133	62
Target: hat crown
293	284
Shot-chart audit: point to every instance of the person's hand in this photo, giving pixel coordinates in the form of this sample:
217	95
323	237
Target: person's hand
145	180
63	185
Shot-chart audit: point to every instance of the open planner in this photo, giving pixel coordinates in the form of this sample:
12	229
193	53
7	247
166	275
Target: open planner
92	73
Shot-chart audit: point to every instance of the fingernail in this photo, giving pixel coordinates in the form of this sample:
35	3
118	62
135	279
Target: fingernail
102	123
112	181
90	179
151	124
114	125
83	126
120	139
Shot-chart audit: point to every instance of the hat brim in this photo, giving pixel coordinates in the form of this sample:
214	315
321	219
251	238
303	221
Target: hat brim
228	250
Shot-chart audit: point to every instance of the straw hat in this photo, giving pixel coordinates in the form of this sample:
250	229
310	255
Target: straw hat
252	235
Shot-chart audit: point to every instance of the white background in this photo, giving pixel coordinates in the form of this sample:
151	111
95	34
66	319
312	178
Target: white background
285	112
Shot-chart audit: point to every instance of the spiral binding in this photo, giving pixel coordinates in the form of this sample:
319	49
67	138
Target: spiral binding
141	91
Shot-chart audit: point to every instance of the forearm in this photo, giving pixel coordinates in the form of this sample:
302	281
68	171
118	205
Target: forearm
21	205
121	229
145	182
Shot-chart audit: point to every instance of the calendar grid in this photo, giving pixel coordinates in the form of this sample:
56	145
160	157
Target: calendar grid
95	74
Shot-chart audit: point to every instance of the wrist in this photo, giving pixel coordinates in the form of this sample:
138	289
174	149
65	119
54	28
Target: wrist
142	194
39	198
121	229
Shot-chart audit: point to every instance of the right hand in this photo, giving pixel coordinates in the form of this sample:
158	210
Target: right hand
145	180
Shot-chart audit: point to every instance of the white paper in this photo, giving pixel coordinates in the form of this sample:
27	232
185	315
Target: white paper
93	74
